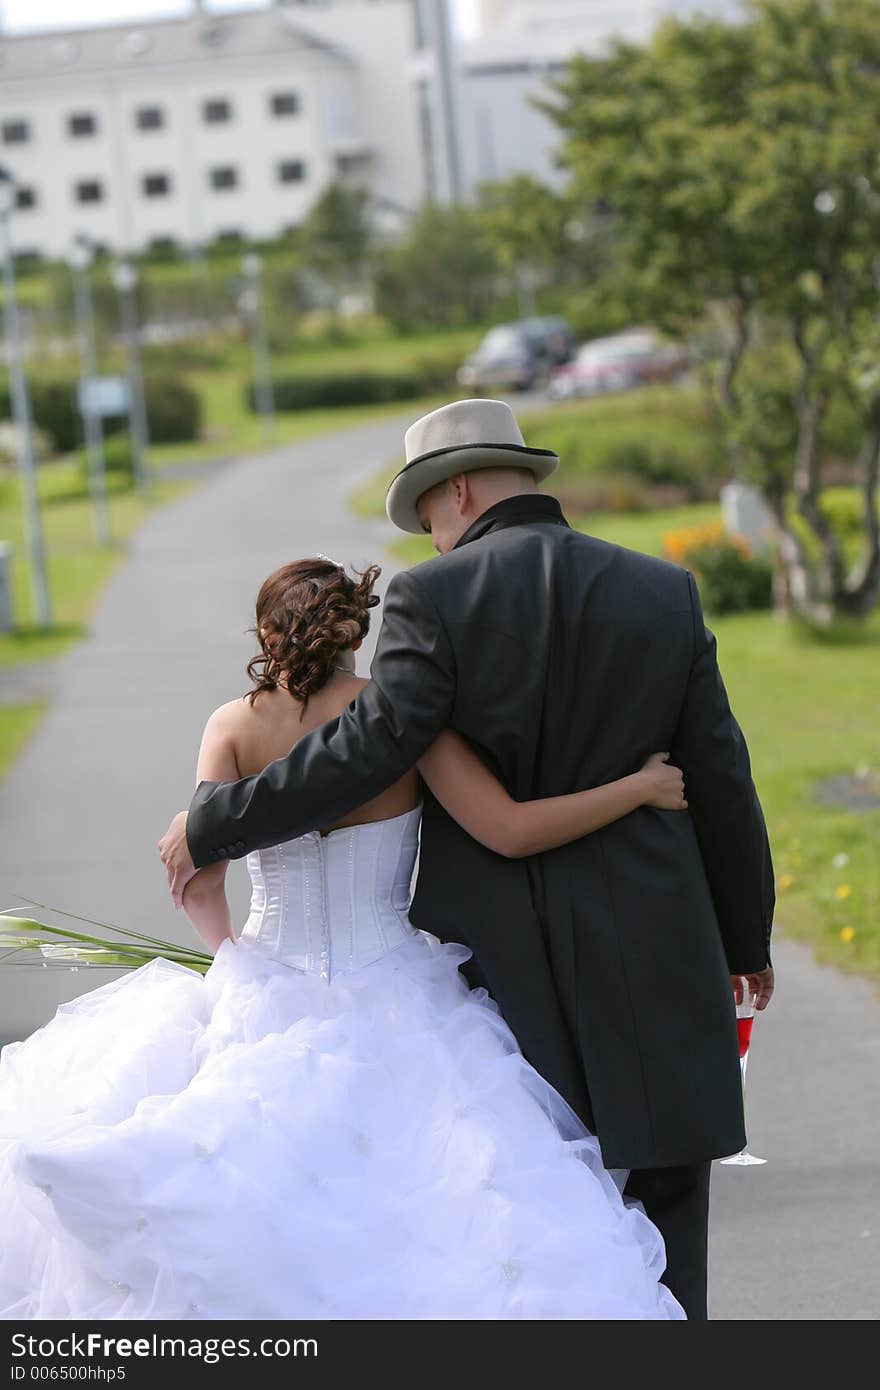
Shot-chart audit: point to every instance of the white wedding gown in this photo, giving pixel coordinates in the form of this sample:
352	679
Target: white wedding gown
329	1124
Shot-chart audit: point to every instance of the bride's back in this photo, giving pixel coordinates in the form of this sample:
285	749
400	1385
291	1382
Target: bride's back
268	726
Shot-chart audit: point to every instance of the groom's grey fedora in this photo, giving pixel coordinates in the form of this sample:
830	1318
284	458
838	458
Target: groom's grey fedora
456	439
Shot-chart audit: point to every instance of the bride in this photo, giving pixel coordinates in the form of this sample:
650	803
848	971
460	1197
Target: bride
329	1123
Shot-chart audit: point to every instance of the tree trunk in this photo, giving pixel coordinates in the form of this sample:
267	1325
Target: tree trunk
794	586
862	588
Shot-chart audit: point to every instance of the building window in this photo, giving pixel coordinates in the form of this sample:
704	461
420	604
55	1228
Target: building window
149	118
156	185
89	191
291	171
224	176
25	198
81	123
284	103
217	111
16	132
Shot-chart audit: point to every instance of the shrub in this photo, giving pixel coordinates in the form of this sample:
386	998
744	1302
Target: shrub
53	406
731	578
174	410
118	461
314	390
654	464
844	509
118	456
623	492
41	445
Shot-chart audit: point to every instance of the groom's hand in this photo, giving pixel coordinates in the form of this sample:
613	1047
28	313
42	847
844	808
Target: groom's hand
760	984
175	855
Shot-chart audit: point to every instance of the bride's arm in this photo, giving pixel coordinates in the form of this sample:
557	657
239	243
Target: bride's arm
466	788
204	898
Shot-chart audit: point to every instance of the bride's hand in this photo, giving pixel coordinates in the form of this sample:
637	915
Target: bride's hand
175	855
664	784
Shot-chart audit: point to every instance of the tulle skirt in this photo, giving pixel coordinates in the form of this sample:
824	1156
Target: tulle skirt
260	1144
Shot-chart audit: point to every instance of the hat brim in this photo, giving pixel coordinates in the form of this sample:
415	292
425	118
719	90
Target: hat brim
426	471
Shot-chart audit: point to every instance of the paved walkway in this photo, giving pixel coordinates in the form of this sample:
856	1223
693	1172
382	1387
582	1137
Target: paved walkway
81	812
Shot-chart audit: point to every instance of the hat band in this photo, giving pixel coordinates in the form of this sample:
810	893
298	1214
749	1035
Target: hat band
463	448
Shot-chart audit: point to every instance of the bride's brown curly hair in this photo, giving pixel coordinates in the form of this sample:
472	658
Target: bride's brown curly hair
307	613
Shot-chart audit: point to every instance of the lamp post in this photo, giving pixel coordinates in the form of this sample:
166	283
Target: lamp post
252	301
80	260
125	279
21	410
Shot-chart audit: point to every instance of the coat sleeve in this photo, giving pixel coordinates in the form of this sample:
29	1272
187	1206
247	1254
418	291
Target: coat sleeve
723	804
346	762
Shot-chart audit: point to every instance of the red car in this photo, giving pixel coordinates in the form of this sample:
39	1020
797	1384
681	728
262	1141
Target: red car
618	363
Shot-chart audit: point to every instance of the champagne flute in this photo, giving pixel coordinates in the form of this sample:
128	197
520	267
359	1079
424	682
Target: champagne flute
745	1017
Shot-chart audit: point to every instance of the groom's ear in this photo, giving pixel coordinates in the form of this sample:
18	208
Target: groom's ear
356	646
460	490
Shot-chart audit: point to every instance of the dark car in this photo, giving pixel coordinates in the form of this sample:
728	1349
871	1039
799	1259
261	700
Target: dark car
518	355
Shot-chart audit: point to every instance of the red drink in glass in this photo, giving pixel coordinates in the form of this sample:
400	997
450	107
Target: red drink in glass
744	1034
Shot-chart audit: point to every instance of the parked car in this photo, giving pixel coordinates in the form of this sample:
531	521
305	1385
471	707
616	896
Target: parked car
556	336
618	363
518	355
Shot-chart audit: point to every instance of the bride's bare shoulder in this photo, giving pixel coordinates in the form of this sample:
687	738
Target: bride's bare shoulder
230	716
231	722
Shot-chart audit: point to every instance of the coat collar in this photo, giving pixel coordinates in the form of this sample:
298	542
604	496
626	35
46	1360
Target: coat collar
523	510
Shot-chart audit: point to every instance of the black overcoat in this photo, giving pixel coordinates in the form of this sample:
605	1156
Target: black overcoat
565	661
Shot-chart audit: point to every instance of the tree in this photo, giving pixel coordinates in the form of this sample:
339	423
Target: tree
336	234
741	165
444	272
543	238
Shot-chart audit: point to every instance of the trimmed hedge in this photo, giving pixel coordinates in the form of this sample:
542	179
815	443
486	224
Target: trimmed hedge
53	406
174	411
313	391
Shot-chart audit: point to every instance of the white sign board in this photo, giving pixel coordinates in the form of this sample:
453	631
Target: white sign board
746	514
103	396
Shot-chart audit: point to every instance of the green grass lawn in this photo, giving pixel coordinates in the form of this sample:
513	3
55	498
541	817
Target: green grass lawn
809	711
17	722
78	566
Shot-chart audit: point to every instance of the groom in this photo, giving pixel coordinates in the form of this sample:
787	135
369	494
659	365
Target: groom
565	661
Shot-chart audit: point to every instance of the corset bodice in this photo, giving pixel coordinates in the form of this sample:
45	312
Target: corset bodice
325	903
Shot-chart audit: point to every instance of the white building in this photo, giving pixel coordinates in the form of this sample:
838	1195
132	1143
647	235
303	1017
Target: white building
185	129
521	44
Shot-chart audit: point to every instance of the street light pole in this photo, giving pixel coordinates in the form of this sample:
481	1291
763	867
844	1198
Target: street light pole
125	279
80	262
21	410
264	398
